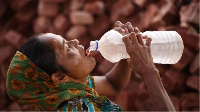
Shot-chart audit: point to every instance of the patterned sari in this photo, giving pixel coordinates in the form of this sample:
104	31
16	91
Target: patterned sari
28	84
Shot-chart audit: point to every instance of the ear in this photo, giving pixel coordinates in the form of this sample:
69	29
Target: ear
59	77
65	79
55	77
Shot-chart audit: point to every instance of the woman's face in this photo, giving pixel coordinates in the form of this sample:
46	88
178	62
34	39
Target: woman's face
71	56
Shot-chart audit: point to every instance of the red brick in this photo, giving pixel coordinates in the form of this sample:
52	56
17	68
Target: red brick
105	66
81	17
3	94
51	29
140	3
132	95
61	23
4	68
127	8
4	102
190	39
161	68
17	5
96	7
72	32
144	105
121	8
6	52
194	65
168	80
76	5
189	101
14	106
167	14
124	98
190	13
13	38
6	62
135	20
46	8
176	102
85	41
2	8
195	109
187	56
25	15
174	81
27	107
148	15
193	82
41	24
56	1
100	27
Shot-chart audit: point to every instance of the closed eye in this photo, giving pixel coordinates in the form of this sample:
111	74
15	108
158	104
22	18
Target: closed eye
68	48
64	43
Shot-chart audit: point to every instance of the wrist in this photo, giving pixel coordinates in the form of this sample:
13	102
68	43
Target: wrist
150	73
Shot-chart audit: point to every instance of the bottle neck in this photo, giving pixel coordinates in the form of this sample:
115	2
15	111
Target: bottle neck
94	45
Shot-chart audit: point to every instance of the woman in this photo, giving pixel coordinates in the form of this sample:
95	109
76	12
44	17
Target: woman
51	73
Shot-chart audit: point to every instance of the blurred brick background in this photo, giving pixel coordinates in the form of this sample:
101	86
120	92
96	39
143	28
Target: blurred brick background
88	20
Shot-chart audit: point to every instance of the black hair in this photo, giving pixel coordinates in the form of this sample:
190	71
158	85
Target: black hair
42	54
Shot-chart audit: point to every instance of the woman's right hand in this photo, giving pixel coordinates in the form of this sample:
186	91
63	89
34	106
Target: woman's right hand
140	60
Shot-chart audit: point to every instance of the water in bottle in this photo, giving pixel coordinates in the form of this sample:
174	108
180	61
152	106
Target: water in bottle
166	46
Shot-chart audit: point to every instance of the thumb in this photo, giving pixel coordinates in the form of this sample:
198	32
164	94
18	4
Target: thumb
127	41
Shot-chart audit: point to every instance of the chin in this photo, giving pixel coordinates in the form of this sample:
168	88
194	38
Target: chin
94	63
92	66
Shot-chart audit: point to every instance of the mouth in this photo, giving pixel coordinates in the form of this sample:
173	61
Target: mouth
85	53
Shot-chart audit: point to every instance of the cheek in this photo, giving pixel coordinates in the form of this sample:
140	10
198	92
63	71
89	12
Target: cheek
82	68
88	65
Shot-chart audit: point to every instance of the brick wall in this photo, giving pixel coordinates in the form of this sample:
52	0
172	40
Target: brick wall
88	20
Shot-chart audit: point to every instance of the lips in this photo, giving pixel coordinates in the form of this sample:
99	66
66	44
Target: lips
86	53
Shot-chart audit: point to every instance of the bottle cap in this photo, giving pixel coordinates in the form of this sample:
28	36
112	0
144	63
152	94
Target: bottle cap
93	46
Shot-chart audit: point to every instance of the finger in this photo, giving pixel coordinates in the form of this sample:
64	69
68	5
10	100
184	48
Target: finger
136	30
129	27
144	37
148	41
125	28
118	24
119	29
127	41
133	38
140	40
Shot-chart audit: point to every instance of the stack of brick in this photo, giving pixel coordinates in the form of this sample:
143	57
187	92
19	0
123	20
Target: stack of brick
88	20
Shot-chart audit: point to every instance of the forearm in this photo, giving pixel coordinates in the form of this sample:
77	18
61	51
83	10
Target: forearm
159	96
119	75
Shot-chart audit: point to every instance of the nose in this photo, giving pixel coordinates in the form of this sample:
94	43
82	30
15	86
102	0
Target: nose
74	43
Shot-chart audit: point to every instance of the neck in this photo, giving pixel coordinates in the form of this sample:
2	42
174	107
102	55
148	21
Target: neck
82	80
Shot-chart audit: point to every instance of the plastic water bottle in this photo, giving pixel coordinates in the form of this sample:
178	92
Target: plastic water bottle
166	46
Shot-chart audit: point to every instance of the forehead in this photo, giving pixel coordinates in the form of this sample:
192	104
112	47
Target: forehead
51	37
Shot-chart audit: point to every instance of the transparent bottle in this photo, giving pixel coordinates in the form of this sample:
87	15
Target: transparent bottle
166	46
